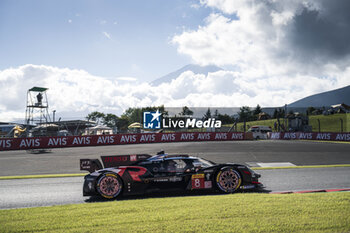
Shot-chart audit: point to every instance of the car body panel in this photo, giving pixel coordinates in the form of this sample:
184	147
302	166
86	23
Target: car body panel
162	172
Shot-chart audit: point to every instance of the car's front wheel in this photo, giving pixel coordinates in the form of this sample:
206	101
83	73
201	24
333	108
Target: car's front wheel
109	185
228	180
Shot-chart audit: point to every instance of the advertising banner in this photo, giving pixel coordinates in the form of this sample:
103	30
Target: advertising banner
310	136
116	139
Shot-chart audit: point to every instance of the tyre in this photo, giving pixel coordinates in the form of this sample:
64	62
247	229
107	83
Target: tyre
109	185
228	180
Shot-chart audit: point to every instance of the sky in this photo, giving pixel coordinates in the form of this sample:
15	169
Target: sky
102	55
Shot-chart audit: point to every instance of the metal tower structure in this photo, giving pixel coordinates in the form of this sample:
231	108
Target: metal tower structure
37	110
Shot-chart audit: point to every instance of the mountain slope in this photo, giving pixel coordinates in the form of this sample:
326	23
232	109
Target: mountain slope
194	68
338	96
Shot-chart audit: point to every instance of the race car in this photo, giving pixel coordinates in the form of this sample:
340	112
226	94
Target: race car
137	174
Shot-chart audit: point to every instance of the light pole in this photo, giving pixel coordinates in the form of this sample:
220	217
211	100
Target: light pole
53	115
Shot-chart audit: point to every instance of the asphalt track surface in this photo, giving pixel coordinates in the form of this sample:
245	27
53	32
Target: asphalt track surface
66	160
58	191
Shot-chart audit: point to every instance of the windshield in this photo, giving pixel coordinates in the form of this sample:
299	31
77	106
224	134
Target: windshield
204	163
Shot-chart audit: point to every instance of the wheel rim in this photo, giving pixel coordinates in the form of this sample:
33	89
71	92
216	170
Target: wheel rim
109	186
228	180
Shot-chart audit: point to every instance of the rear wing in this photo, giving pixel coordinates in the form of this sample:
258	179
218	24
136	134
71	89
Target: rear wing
92	165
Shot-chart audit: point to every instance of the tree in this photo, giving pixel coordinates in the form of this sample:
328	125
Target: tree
245	114
186	111
95	116
136	114
122	123
257	110
110	120
310	110
278	113
207	115
225	119
216	114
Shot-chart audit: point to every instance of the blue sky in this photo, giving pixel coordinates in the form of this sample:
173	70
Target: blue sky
102	55
105	38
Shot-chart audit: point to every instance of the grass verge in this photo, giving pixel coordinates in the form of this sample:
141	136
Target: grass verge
315	212
330	123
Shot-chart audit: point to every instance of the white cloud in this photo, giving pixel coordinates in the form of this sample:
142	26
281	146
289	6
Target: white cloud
281	51
75	93
70	21
107	35
128	79
282	39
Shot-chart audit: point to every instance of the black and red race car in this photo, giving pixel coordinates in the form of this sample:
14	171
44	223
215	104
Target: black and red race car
143	173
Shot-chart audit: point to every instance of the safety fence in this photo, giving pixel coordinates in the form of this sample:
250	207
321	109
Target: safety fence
116	139
310	136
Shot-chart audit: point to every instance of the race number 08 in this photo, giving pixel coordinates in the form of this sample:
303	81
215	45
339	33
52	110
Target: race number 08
197	183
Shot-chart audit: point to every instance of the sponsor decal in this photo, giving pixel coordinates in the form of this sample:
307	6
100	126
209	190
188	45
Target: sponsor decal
198	181
221	136
27	143
343	137
81	141
207	176
175	179
5	144
247	186
198	176
237	136
105	140
85	164
128	138
135	175
57	142
305	136
133	157
323	136
148	138
161	180
208	184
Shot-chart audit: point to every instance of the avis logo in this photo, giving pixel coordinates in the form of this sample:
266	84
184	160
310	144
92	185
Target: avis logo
151	120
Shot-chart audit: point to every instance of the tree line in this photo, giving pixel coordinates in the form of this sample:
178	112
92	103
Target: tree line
132	115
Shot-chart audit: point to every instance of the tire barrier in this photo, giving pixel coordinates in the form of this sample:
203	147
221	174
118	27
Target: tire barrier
345	137
116	139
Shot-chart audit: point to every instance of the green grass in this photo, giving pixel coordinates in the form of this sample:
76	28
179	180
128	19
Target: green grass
314	212
330	123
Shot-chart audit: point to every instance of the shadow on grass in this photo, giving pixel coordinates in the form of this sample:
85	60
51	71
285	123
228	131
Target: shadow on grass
170	194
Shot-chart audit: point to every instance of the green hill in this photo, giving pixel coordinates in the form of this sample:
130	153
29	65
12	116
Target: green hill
330	123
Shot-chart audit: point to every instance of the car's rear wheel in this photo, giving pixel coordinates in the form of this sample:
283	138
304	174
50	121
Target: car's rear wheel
228	180
109	185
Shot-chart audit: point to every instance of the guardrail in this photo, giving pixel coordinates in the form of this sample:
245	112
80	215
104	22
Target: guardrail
310	136
116	139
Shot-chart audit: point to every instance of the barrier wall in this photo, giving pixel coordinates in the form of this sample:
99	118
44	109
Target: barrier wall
311	136
115	139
